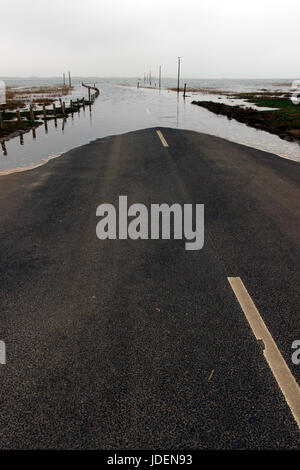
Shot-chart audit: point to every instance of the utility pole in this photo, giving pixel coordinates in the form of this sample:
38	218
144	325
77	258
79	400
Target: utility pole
178	81
159	81
70	83
64	79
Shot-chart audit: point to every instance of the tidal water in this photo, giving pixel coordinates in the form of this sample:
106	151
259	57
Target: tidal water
122	107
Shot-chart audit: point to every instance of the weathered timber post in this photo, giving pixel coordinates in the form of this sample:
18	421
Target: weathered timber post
31	113
44	111
18	115
184	90
1	120
54	109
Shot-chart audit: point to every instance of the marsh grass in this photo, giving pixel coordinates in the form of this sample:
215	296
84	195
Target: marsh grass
19	98
283	121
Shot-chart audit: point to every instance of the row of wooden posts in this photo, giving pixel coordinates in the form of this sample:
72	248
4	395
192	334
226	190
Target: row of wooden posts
73	105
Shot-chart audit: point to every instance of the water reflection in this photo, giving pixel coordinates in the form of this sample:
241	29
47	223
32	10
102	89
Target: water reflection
121	109
3	146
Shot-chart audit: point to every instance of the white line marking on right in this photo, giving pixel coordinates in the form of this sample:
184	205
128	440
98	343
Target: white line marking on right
163	140
277	364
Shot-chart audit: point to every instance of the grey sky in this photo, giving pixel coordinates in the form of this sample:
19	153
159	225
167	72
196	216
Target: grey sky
215	38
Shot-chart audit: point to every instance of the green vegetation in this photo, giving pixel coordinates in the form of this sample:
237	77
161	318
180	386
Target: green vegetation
283	121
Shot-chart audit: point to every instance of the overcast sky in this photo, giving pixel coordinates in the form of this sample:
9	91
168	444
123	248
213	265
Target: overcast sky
215	38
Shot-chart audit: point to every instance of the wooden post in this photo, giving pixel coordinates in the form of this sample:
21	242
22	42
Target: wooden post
34	133
64	79
184	90
71	103
31	113
89	94
54	109
1	120
18	116
44	111
70	82
62	104
78	103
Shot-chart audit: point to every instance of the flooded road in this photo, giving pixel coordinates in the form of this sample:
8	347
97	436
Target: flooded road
120	109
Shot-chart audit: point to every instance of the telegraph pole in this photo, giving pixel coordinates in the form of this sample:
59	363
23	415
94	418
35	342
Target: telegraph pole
178	80
70	82
159	77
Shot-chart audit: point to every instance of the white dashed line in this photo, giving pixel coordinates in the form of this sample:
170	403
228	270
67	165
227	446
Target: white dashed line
163	140
277	364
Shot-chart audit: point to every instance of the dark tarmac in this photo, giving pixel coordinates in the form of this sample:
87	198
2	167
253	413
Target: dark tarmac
123	344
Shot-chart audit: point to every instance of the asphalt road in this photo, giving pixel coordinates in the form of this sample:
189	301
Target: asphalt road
112	344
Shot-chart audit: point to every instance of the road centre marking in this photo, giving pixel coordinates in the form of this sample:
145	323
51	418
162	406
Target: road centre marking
163	140
277	364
